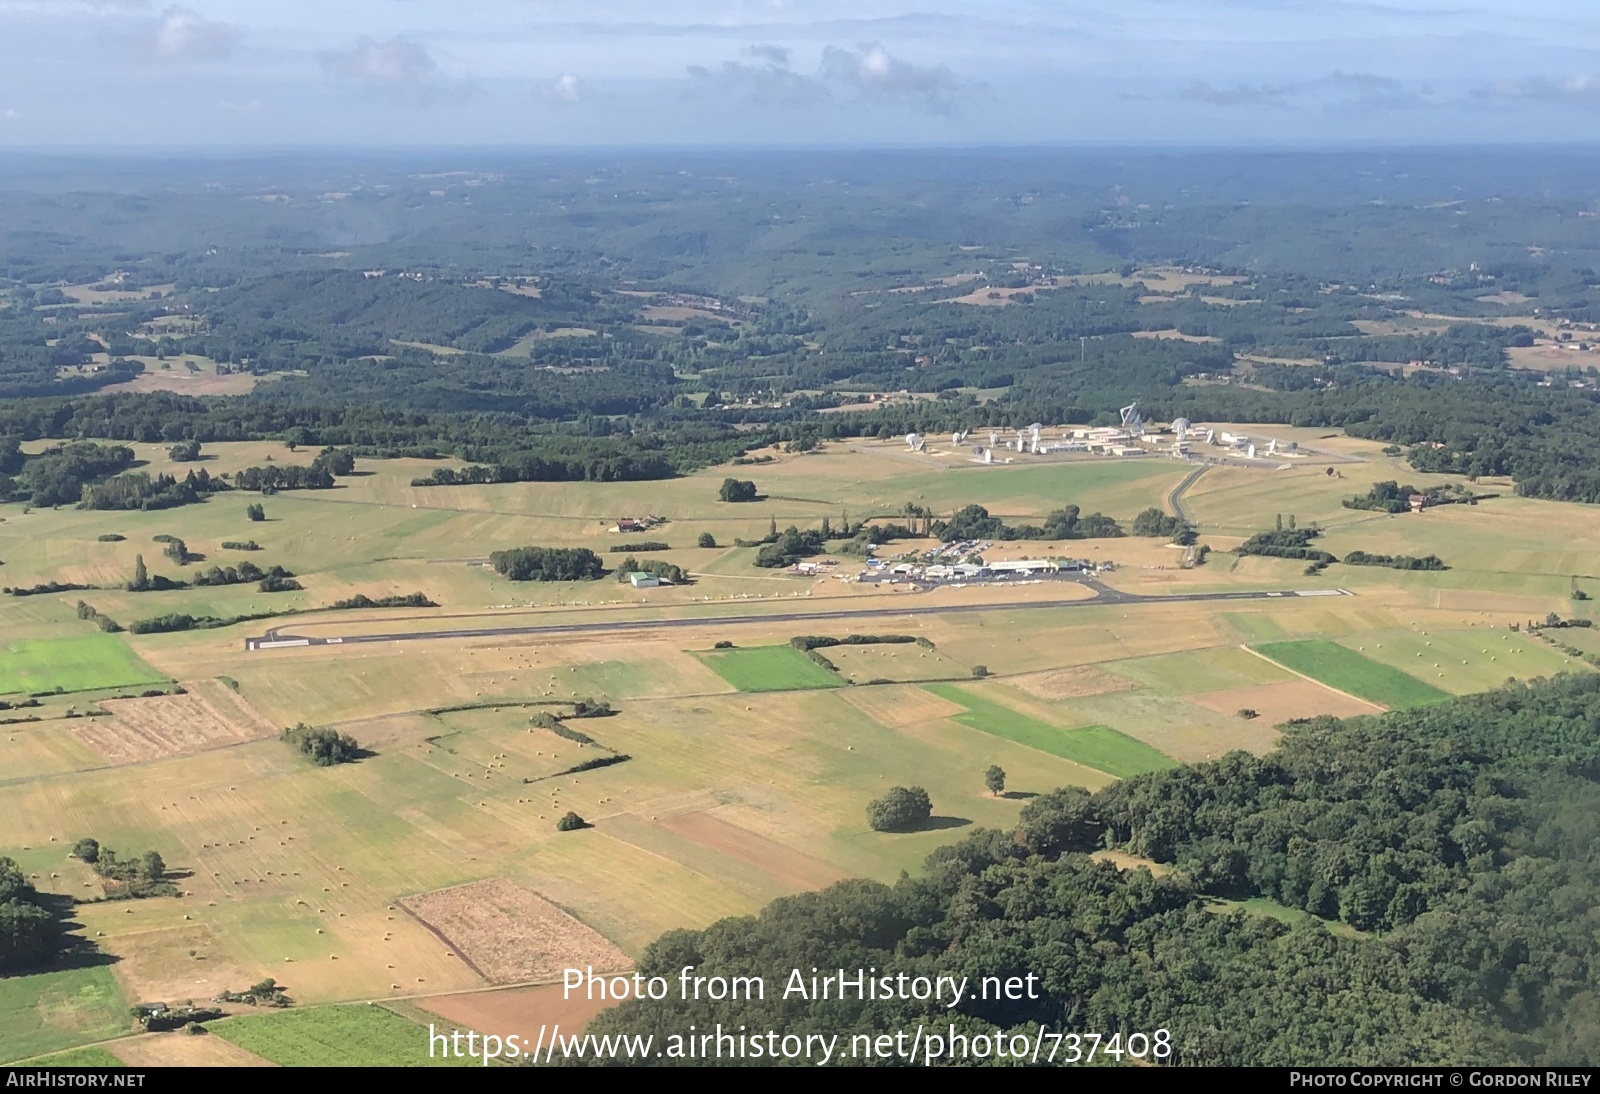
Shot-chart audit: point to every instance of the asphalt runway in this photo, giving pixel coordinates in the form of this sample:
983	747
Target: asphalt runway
276	638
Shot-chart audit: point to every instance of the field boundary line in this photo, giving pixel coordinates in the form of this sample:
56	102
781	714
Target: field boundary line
1313	679
440	935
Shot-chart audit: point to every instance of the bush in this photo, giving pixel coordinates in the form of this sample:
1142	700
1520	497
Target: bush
571	822
642	546
1248	713
240	545
723	645
279	580
322	746
980	671
706	540
112	537
901	809
737	490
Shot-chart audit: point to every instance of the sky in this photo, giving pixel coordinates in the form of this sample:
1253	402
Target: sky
145	74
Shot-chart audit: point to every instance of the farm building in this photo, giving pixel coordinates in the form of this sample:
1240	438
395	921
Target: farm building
643	581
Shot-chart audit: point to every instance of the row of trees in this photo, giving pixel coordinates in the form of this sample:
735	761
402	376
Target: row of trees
975	522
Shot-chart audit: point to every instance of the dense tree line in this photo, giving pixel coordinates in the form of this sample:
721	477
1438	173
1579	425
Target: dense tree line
975	522
1461	840
1286	543
1395	562
547	564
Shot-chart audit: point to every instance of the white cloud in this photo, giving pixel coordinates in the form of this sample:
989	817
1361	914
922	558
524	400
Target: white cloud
9	114
181	34
867	74
565	88
873	73
1582	88
398	67
1339	90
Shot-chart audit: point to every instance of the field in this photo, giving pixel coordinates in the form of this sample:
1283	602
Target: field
1099	747
348	1036
49	1011
82	663
769	668
90	1056
1349	671
510	936
748	770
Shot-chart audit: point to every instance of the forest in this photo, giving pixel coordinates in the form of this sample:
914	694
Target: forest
1422	889
641	316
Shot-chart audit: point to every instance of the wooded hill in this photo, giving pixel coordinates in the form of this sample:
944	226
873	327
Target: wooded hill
1449	857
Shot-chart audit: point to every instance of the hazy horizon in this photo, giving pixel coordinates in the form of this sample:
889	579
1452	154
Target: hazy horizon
392	74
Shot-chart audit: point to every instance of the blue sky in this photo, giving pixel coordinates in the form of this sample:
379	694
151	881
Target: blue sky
274	73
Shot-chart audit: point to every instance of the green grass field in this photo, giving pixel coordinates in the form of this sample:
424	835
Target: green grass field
769	668
360	1035
72	664
1099	747
91	1056
49	1011
1330	663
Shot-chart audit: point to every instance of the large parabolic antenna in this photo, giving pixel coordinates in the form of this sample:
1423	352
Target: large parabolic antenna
1132	420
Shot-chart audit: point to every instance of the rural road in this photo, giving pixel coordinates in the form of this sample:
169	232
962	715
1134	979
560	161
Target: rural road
275	639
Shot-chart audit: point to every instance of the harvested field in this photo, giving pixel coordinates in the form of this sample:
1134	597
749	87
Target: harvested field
172	725
783	862
511	935
898	707
1279	702
179	1049
1070	683
509	1011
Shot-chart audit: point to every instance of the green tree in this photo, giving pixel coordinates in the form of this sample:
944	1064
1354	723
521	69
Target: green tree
256	511
706	540
737	490
322	746
901	809
87	850
1061	821
141	576
980	671
155	868
571	822
995	779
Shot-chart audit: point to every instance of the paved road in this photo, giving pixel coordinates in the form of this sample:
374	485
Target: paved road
276	639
